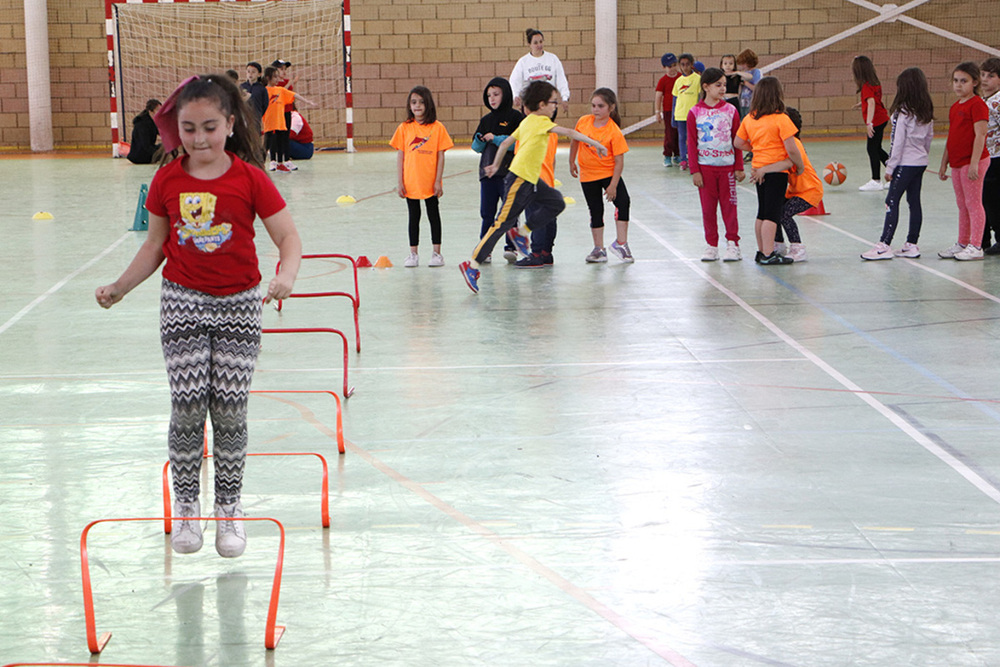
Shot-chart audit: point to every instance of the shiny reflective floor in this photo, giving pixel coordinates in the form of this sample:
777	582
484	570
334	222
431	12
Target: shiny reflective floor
670	462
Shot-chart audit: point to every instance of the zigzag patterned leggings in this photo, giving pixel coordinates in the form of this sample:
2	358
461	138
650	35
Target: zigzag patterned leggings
210	344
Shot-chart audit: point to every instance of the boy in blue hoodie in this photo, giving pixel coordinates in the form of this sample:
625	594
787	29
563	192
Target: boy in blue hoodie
493	128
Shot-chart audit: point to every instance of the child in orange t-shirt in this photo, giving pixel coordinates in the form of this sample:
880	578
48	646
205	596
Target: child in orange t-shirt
805	190
421	141
273	123
770	134
600	177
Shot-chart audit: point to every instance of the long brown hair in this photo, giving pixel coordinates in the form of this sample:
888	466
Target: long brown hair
768	97
611	100
972	69
430	111
244	141
913	96
863	70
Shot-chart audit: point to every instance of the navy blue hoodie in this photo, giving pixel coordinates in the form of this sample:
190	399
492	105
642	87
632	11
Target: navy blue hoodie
501	122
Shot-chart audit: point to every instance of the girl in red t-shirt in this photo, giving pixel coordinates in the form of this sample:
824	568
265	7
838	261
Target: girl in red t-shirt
202	208
966	154
875	116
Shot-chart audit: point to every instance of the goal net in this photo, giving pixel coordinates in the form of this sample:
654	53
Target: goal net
158	44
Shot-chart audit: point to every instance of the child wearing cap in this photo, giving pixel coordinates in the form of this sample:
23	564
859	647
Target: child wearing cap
663	108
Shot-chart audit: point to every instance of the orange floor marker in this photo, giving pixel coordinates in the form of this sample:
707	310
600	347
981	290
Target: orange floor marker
816	210
383	263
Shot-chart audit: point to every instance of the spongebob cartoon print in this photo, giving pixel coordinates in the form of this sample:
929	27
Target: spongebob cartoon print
197	222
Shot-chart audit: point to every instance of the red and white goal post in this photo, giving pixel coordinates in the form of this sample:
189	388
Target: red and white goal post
153	45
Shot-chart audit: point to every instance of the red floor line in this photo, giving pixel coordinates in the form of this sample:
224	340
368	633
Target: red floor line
654	644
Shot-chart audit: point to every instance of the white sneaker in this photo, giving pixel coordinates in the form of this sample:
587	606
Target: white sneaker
797	251
871	186
969	252
732	253
230	536
289	166
412	261
185	535
908	250
880	251
436	259
510	256
780	248
951	252
597	256
488	260
272	165
711	254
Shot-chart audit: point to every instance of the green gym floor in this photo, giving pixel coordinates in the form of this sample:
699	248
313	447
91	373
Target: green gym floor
669	462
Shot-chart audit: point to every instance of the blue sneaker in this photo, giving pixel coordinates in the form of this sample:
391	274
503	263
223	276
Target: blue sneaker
520	241
471	276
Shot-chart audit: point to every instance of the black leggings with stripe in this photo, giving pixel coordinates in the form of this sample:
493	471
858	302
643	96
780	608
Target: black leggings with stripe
546	204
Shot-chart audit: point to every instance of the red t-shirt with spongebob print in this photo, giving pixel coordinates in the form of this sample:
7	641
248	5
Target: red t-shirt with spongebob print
210	247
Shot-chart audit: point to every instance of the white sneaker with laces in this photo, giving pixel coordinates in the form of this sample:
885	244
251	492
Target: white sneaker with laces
908	250
436	259
185	535
732	253
880	251
969	252
597	256
290	166
797	251
951	252
230	536
780	248
412	261
272	165
711	254
871	186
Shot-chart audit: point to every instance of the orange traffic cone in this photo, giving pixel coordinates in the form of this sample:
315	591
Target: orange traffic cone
816	210
362	261
383	263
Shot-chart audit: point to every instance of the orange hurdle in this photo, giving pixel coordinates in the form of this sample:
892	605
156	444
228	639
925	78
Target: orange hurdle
324	492
272	631
340	413
347	392
75	664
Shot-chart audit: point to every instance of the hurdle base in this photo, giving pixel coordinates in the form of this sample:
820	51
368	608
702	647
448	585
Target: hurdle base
279	632
102	641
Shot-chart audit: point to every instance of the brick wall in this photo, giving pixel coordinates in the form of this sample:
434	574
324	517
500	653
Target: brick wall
455	46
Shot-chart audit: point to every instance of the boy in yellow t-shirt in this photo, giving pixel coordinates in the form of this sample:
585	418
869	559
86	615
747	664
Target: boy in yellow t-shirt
523	184
686	90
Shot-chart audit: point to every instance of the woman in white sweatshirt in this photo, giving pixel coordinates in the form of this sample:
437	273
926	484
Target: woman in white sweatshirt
539	65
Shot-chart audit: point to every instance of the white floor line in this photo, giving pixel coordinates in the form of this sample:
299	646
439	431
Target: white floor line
59	285
859	561
823	223
955	464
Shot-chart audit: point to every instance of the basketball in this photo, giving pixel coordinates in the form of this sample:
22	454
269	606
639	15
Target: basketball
834	173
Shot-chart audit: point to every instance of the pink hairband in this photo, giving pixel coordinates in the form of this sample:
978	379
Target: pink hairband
166	118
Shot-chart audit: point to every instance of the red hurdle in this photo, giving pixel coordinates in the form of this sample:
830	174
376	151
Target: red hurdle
354	298
272	631
324	491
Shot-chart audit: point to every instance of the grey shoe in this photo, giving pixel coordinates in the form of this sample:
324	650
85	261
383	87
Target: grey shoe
230	536
597	256
623	251
185	534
